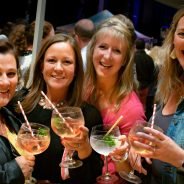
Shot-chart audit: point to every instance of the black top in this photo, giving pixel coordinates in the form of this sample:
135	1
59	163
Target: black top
10	172
47	163
145	69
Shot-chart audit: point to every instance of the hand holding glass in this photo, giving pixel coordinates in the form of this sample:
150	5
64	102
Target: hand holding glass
133	136
33	142
66	124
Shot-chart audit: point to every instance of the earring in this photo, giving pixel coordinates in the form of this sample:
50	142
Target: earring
173	54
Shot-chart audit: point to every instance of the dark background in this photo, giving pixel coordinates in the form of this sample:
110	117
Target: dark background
148	16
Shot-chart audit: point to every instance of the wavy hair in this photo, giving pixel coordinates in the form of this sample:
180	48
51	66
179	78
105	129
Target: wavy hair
122	28
171	70
74	96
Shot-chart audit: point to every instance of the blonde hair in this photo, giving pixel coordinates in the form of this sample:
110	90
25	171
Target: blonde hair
171	70
124	31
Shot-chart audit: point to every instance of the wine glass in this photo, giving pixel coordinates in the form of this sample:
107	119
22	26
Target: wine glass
66	124
128	174
104	142
33	139
139	127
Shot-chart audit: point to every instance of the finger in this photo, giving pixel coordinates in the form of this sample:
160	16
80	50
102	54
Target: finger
84	131
144	137
30	157
122	138
143	146
83	128
155	133
144	171
148	160
119	151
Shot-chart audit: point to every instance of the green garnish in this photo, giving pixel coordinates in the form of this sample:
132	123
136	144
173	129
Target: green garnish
109	141
57	121
42	132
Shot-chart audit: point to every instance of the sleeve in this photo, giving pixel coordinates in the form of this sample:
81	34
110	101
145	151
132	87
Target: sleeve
92	166
10	172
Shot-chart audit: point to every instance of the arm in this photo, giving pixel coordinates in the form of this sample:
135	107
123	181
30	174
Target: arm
92	162
10	171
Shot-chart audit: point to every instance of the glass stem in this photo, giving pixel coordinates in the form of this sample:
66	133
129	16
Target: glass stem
106	166
69	156
131	173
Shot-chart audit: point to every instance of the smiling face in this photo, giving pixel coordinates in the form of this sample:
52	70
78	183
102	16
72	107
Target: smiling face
8	78
59	67
109	55
179	42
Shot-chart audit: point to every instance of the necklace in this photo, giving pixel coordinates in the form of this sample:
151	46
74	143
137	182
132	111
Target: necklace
46	105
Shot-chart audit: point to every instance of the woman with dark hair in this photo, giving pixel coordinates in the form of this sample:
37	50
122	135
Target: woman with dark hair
13	169
59	74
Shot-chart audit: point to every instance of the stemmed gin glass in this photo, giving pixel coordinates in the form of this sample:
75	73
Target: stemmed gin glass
65	123
132	136
104	142
33	139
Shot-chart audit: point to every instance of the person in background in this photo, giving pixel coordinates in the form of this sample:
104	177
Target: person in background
22	37
59	74
13	169
83	31
168	150
146	75
109	79
48	30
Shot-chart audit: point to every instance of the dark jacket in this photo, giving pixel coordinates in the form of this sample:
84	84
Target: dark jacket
145	69
10	172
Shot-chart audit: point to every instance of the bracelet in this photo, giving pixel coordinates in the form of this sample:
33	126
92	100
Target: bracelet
125	156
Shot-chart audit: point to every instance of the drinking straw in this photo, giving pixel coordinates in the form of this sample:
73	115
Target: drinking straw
53	106
153	115
25	118
116	122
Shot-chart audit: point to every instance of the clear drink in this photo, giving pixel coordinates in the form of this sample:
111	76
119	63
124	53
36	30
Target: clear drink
104	139
104	146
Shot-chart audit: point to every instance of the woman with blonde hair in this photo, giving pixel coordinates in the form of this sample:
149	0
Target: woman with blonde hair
168	150
109	81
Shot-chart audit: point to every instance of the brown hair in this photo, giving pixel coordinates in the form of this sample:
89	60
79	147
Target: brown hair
75	90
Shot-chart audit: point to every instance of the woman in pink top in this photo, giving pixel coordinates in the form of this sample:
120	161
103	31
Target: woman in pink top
109	82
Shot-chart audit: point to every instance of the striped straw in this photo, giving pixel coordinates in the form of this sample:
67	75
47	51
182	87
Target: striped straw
153	115
25	118
53	106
